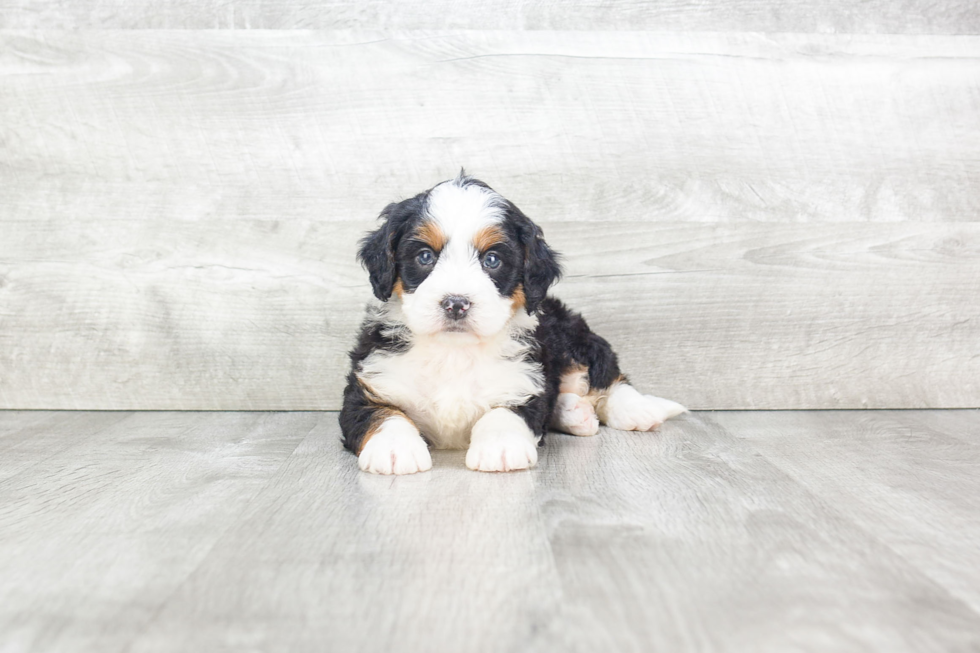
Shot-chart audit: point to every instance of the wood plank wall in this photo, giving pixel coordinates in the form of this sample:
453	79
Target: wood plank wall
762	204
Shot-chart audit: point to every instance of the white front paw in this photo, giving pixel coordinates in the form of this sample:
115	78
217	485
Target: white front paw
504	453
395	448
628	410
501	442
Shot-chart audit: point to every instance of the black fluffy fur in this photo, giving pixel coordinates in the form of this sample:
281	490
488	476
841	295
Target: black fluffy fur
542	266
359	409
357	415
562	339
378	248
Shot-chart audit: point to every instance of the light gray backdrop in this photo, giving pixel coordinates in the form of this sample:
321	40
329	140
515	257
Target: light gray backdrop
762	204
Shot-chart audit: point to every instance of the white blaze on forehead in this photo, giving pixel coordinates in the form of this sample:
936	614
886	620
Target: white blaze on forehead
462	211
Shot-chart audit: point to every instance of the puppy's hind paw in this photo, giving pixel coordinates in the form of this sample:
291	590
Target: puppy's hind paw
575	415
628	410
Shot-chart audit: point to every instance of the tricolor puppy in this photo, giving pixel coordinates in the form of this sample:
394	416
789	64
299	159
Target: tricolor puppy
465	349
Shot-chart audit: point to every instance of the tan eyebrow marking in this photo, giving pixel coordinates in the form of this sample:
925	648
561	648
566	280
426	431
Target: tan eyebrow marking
430	234
488	237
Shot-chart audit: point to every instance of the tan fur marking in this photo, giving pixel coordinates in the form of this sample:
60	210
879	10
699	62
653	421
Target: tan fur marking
488	237
380	415
517	299
598	396
595	397
369	391
399	288
575	379
430	234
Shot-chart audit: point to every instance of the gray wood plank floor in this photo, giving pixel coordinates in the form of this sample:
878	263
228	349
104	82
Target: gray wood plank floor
725	531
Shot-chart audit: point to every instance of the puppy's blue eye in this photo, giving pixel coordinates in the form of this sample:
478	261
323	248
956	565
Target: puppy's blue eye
425	257
491	261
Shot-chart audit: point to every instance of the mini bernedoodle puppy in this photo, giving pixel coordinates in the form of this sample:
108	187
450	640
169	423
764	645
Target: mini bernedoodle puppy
465	349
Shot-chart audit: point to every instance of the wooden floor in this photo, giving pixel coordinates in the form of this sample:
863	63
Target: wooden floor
726	531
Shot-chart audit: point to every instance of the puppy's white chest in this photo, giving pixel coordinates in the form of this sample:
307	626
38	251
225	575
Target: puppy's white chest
446	389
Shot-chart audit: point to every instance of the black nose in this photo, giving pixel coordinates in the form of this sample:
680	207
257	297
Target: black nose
456	306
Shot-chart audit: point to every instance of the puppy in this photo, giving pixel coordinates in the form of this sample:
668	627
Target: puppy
466	350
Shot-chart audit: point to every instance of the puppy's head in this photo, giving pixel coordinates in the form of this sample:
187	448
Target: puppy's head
459	258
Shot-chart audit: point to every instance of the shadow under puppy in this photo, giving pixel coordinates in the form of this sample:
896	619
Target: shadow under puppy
466	350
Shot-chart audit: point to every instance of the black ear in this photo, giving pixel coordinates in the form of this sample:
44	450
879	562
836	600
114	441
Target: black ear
377	252
542	267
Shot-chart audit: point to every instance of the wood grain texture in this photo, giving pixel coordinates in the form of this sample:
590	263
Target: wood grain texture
918	495
787	221
844	531
905	17
110	518
593	126
216	314
963	425
42	435
690	540
259	314
334	558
